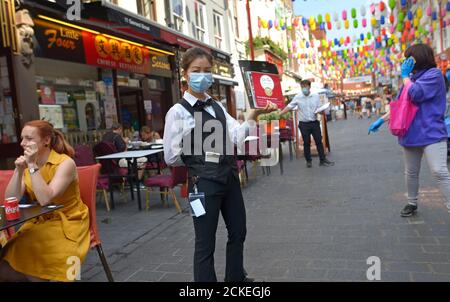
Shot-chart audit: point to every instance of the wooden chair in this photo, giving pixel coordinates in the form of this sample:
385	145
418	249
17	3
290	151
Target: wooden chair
87	177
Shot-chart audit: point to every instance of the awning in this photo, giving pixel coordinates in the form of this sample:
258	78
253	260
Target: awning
225	80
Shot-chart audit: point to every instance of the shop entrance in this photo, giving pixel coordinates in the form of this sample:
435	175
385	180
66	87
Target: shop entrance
131	108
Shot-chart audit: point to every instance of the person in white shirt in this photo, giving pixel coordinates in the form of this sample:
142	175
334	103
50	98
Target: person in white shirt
307	104
212	170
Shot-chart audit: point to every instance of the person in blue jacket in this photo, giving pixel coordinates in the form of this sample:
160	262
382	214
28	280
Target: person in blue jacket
427	134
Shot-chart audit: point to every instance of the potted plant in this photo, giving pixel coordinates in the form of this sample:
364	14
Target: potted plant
269	117
283	119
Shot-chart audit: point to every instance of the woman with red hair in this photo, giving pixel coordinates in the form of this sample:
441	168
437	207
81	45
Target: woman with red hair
43	248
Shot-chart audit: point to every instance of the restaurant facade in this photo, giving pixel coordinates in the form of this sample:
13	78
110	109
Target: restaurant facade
111	66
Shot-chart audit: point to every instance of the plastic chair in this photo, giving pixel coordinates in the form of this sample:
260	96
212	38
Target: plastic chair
5	176
87	177
84	156
178	176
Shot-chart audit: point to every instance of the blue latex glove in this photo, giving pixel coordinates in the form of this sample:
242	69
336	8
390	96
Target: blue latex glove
374	127
407	67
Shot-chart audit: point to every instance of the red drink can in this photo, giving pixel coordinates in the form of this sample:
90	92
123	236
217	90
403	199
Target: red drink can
12	211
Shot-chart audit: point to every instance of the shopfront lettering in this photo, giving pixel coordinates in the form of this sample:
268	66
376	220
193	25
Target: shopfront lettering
156	63
64	38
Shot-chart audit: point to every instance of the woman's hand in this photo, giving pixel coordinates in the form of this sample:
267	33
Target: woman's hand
256	112
30	154
21	163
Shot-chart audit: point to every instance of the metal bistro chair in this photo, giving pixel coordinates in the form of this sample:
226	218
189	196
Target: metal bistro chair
87	178
84	156
111	173
178	176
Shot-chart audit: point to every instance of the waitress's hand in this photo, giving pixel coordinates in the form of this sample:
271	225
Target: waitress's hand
30	153
21	163
269	108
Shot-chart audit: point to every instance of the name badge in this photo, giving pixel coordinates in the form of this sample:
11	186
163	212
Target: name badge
212	157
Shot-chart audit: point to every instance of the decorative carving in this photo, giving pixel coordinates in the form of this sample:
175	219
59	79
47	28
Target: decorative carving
25	33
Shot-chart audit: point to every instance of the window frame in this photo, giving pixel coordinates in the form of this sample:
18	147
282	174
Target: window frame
218	20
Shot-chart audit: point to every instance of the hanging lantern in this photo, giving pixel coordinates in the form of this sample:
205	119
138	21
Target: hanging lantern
361	37
392	18
319	18
434	16
265	24
382	20
392	29
382	6
344	15
366	41
433	26
338	25
374	22
401	16
443	12
403	3
322	26
313	27
372	9
311	21
429	11
329	26
304	21
369	35
448	6
307	44
364	23
275	24
415	22
346	24
353	13
259	22
336	17
408	25
383	31
270	24
355	23
363	10
327	17
392	4
419	12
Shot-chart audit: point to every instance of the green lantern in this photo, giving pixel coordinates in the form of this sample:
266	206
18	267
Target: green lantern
319	19
353	13
401	16
355	23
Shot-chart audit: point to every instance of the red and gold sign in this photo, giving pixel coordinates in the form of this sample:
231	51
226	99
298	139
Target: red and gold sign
266	87
111	53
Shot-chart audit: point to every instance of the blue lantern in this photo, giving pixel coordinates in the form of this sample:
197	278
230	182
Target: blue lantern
307	44
403	3
434	16
361	37
382	21
304	21
448	6
410	15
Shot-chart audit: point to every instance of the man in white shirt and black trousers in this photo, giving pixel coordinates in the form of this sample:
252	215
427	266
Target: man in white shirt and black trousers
307	104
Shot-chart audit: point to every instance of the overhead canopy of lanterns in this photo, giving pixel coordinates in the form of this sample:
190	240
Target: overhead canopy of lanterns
386	31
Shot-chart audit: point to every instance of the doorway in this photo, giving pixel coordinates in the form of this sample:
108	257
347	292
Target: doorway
131	108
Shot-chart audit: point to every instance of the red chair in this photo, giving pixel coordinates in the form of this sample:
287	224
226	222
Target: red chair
87	178
5	176
111	173
84	156
178	176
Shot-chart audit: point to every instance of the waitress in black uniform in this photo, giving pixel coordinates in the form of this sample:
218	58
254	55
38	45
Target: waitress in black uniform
211	166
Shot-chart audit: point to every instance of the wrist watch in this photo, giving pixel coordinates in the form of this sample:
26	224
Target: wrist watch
33	170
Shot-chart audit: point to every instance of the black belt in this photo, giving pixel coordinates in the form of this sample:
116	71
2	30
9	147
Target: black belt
309	121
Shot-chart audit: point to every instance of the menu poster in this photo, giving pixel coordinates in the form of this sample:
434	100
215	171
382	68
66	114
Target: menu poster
53	114
47	95
90	95
266	87
70	118
62	98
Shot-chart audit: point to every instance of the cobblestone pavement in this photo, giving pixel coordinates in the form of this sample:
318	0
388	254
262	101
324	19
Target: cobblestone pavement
318	224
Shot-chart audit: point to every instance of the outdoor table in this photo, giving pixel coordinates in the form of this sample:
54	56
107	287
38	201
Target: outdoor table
27	212
132	166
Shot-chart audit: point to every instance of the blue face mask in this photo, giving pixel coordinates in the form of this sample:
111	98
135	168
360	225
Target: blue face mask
200	81
306	91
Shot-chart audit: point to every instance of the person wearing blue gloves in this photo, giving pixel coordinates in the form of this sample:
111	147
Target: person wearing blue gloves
427	135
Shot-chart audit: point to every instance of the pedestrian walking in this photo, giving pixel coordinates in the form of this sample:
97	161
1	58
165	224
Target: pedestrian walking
307	104
46	173
427	134
378	102
212	174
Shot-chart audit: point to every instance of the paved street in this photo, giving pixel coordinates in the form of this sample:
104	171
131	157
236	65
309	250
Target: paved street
318	224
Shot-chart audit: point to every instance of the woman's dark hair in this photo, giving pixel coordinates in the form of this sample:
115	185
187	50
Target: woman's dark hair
192	54
423	54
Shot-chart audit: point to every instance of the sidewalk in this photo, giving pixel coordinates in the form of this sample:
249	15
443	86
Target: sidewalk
318	224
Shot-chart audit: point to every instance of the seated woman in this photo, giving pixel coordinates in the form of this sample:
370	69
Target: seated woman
149	136
46	173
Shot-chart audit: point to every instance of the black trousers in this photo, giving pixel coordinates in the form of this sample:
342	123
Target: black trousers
227	199
307	129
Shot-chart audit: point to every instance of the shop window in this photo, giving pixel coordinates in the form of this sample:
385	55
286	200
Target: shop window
7	122
218	25
200	13
146	8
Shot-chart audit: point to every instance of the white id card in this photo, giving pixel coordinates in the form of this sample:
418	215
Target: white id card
212	157
197	202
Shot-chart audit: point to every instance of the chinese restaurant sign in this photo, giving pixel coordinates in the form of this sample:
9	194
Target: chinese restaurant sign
60	42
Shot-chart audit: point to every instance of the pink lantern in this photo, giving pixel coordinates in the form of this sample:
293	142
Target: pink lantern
392	29
344	15
429	11
364	22
443	12
372	9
